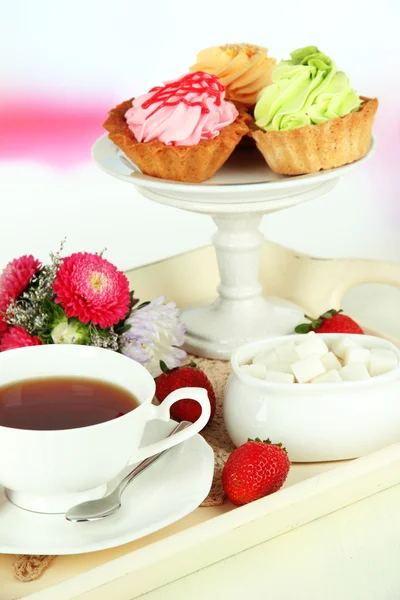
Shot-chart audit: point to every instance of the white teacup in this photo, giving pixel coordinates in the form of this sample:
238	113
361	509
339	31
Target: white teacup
50	471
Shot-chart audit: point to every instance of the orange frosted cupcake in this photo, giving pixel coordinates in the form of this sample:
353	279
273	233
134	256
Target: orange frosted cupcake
183	131
243	69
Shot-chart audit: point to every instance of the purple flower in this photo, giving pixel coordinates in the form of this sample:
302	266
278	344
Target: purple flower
155	334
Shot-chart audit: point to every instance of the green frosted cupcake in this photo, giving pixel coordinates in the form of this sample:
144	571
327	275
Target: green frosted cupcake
310	118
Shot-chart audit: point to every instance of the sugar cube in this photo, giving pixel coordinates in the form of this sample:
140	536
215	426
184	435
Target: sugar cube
287	352
331	362
308	368
342	343
279	377
265	357
258	371
281	368
313	345
382	361
357	356
354	372
328	377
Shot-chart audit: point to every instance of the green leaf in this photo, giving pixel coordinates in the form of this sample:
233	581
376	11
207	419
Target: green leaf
45	338
54	316
267	441
103	332
166	370
164	367
328	315
54	311
132	300
123	328
142	305
303	328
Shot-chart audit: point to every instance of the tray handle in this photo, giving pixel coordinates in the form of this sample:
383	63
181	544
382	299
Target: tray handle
326	281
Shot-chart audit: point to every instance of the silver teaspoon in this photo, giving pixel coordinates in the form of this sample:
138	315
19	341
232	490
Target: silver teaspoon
110	504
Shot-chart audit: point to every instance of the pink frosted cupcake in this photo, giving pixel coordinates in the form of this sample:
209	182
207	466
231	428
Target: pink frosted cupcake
183	131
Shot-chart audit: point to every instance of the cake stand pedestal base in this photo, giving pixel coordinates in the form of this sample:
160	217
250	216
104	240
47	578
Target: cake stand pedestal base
240	314
216	331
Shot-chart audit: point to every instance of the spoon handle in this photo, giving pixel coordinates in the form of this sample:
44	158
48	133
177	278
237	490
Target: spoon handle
121	487
92	510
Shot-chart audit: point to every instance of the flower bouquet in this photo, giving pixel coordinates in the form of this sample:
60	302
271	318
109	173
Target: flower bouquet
84	299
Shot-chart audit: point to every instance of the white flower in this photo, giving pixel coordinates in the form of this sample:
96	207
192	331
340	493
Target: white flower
155	334
67	333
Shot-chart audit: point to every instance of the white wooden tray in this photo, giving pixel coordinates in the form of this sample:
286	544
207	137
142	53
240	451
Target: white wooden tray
211	534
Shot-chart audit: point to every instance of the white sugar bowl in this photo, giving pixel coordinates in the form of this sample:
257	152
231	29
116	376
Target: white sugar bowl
314	421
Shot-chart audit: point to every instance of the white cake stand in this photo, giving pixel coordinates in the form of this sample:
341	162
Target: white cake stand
236	198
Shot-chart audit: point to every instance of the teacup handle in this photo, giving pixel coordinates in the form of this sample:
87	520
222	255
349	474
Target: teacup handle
162	412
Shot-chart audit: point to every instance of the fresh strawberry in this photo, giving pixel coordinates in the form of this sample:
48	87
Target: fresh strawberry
186	376
254	470
332	321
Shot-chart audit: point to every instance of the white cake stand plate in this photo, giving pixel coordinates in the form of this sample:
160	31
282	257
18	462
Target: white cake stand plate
236	198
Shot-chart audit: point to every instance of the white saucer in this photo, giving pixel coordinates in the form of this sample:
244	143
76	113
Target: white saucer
169	490
245	179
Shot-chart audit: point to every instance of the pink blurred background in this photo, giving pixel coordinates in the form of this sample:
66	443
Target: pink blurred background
66	65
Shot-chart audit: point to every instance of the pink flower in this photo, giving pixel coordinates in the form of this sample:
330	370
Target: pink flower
92	289
18	337
13	281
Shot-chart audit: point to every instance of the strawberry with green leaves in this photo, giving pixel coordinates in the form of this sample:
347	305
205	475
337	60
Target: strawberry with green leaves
332	321
186	376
